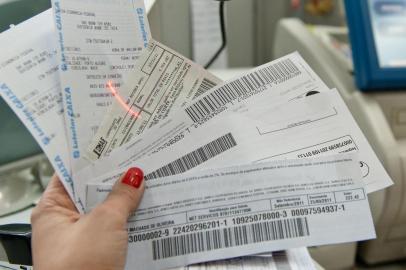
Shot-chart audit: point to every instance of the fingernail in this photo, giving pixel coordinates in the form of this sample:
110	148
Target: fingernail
133	177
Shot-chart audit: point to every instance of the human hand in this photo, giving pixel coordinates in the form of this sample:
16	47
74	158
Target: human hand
64	239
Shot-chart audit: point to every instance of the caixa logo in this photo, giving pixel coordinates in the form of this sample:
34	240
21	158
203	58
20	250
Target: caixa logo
46	140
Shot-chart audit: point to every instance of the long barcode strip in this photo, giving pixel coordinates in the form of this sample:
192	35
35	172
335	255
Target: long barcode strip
204	86
229	237
278	72
195	158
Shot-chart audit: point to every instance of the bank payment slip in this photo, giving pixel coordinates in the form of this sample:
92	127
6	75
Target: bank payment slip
254	168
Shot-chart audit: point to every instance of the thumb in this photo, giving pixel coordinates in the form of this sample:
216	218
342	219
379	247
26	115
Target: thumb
126	194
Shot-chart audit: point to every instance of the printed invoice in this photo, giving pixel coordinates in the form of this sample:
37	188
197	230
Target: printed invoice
229	212
164	80
99	41
314	126
29	83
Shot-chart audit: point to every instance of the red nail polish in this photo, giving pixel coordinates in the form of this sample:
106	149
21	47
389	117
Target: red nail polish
133	177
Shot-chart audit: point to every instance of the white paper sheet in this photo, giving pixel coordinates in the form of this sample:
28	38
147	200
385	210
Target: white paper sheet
7	266
29	83
99	41
164	81
228	212
291	259
277	82
315	126
318	125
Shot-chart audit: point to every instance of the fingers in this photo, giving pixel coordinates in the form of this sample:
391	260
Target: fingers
55	199
125	195
56	193
55	186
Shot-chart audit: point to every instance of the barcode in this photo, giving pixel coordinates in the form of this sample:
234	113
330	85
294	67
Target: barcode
196	157
229	237
204	86
278	72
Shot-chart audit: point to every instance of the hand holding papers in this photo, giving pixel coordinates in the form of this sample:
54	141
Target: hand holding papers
256	164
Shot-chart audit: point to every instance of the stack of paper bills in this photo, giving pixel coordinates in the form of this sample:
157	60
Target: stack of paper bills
268	161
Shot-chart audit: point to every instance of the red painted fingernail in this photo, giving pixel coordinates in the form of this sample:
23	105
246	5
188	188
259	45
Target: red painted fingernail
133	177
